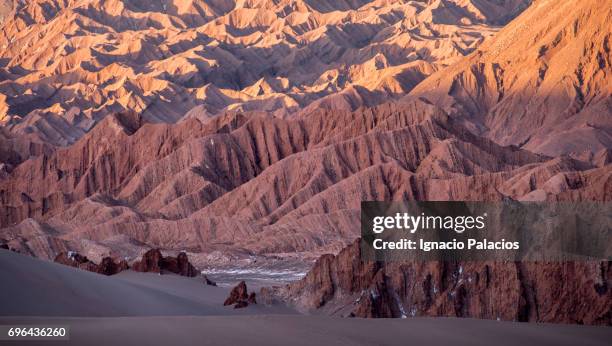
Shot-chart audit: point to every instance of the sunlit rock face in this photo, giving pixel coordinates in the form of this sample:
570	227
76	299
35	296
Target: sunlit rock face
542	83
64	65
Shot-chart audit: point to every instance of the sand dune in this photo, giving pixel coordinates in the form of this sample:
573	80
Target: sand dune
167	310
33	287
316	330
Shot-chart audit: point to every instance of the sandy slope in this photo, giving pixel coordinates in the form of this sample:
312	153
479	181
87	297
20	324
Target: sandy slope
32	287
316	330
169	310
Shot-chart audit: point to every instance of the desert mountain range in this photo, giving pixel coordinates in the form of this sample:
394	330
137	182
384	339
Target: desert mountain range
265	185
554	97
66	64
256	128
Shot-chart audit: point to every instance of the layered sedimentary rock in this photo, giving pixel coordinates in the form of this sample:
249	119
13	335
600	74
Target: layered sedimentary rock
346	285
16	148
68	64
544	82
257	184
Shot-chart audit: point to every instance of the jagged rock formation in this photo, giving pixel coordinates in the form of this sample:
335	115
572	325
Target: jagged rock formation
67	64
150	262
154	261
571	292
208	281
239	297
238	293
179	265
75	260
255	183
544	82
14	149
108	266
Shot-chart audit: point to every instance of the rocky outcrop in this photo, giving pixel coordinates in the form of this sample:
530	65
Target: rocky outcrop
154	261
179	265
75	260
150	262
241	304
238	293
208	281
239	297
569	292
108	266
5	246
